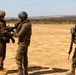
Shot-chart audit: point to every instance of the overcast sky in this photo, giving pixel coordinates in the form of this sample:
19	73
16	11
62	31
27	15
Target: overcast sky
38	7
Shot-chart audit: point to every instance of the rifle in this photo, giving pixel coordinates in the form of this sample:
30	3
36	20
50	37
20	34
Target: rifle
7	33
73	38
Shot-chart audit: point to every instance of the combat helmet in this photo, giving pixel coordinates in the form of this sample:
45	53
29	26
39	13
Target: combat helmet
2	13
23	14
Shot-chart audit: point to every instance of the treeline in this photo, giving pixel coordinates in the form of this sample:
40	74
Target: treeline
46	21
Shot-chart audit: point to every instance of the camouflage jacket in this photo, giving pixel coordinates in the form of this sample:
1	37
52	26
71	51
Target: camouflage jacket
23	31
72	30
2	26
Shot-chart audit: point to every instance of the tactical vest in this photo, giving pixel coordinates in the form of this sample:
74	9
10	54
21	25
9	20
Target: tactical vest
27	35
2	26
73	32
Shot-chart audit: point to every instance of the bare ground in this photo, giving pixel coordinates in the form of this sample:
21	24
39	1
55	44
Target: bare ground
48	51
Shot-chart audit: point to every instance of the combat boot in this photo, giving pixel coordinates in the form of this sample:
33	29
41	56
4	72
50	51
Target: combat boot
72	72
20	72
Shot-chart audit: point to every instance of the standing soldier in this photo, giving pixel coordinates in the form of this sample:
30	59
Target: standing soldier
2	40
73	66
23	32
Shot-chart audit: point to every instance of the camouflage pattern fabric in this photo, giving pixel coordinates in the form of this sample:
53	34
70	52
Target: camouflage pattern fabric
72	30
23	32
74	55
2	45
74	59
21	55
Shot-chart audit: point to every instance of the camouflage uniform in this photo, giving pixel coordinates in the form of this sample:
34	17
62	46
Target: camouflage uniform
73	66
23	32
2	39
2	45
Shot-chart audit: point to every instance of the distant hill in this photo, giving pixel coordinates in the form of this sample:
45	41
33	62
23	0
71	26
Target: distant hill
9	18
61	17
71	17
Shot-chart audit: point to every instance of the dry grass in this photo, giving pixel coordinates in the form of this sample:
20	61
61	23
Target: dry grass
48	51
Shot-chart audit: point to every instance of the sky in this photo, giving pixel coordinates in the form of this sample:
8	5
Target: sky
38	7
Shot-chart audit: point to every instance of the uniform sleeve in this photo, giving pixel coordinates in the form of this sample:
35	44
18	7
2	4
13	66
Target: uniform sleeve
72	30
23	30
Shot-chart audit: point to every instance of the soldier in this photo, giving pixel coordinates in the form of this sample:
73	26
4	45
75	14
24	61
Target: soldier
2	40
73	66
23	32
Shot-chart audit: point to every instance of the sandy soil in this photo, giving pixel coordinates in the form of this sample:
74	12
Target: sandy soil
48	51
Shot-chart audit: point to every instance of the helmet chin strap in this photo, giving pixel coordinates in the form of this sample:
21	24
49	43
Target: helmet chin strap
22	19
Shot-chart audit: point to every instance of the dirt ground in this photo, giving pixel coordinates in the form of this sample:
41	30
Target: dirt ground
48	51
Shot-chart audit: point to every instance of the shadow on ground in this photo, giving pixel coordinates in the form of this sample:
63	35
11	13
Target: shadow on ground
40	70
47	70
34	68
12	71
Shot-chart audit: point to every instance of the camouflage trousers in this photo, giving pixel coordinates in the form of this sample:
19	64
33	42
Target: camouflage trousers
2	53
21	55
74	59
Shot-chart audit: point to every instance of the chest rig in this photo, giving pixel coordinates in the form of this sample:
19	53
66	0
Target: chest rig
73	32
2	25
